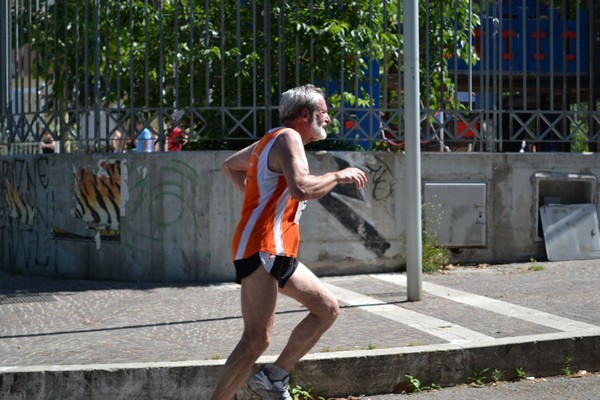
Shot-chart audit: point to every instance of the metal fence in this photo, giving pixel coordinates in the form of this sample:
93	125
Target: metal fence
496	75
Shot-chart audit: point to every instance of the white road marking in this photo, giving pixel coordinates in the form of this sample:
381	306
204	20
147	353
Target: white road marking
445	330
496	306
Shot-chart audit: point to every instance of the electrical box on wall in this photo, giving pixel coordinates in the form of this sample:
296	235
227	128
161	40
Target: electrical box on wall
561	188
456	213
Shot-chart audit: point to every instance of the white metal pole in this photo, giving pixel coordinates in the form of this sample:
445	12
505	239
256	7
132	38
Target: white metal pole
412	138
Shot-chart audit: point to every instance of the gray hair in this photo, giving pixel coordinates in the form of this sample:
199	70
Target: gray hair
294	100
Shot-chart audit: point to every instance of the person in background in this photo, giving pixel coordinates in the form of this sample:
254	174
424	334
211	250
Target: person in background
177	138
47	143
274	176
119	141
146	140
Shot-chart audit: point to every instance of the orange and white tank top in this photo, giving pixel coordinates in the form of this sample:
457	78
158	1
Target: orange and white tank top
270	215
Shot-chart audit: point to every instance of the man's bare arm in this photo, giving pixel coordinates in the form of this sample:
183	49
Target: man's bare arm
288	157
236	165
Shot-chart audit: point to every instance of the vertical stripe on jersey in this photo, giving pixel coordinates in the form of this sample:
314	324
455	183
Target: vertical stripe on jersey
279	214
265	192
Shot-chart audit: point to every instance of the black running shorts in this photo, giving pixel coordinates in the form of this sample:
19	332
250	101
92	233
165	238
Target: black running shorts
282	270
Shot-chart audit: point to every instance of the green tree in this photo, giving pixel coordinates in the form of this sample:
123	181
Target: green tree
446	30
215	55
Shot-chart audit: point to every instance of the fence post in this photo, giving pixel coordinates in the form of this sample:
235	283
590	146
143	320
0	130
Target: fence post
5	62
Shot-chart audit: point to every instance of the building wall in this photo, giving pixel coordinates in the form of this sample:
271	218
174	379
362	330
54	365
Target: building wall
170	216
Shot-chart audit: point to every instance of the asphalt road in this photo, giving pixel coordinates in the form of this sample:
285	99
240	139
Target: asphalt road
576	387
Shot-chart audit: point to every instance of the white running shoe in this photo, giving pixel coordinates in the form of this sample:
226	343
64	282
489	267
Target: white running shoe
261	385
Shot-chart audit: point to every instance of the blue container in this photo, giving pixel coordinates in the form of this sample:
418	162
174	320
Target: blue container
361	125
538	45
533	38
569	51
511	43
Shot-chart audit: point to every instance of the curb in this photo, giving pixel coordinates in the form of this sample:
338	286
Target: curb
365	372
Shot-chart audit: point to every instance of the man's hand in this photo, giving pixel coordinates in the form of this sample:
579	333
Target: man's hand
352	175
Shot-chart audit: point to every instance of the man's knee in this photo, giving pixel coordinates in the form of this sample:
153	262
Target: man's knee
331	310
335	310
256	342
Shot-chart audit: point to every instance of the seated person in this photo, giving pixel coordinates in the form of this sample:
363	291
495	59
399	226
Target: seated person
47	143
119	141
176	139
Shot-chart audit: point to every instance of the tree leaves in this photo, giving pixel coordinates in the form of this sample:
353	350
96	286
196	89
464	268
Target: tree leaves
201	54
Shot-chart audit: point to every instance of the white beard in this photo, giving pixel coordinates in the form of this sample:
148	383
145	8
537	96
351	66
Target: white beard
319	132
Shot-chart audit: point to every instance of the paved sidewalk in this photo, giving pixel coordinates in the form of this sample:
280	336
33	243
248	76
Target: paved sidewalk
56	322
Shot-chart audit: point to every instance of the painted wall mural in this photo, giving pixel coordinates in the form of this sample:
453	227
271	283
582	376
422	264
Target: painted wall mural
18	208
97	194
336	205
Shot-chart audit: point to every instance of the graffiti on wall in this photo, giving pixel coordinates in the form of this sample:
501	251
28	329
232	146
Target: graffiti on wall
60	202
27	209
164	200
382	180
336	203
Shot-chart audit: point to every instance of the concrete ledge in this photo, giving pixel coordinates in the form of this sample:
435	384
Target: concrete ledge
328	374
183	380
383	371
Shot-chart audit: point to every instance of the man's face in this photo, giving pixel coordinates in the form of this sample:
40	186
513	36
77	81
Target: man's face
320	119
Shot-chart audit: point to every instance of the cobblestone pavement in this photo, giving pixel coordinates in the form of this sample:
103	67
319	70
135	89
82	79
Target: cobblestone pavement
47	321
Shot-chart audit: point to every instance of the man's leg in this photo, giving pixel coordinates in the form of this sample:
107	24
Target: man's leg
323	309
258	297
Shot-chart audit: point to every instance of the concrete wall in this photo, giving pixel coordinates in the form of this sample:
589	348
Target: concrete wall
170	216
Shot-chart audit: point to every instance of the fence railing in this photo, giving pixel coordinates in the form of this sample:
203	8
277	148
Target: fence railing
86	72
